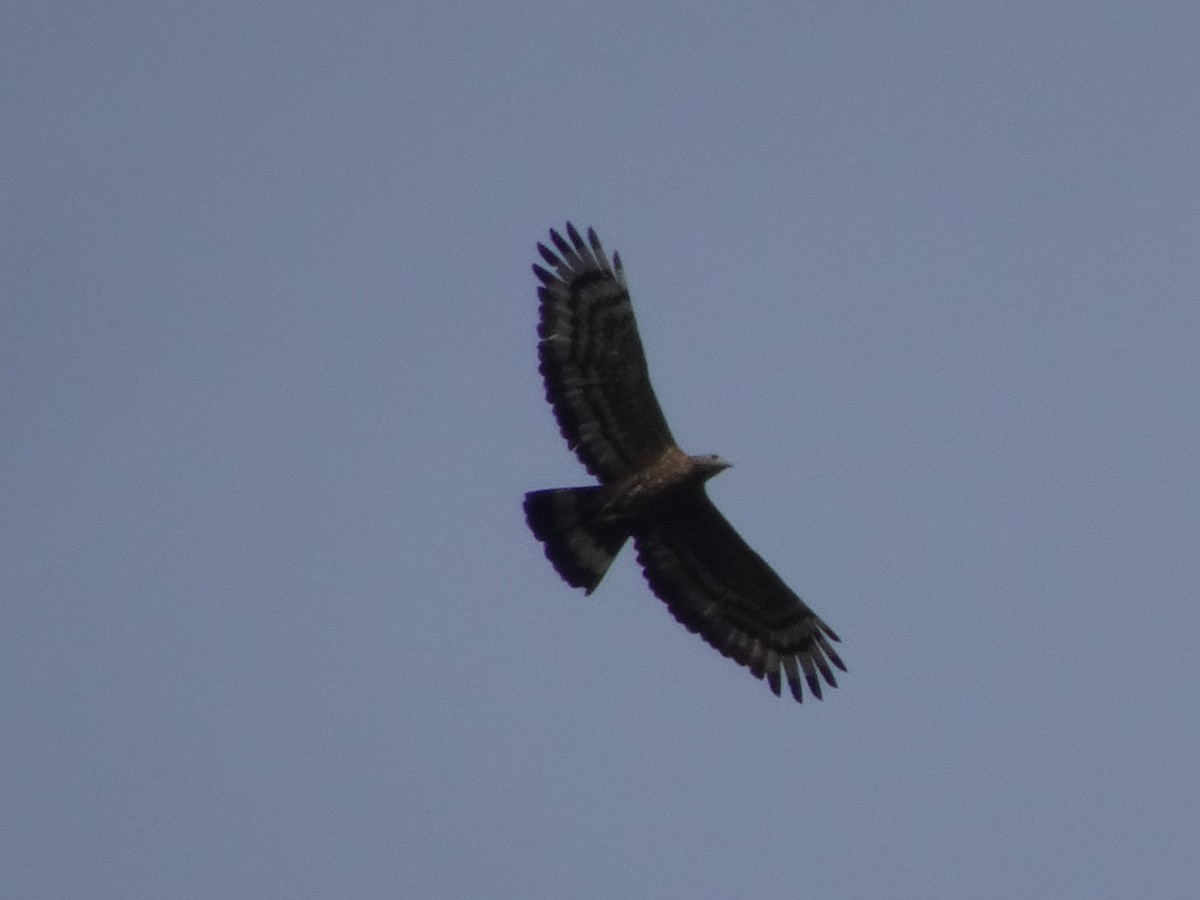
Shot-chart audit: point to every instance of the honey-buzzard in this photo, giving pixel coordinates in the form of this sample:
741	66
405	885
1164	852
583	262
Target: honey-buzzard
597	382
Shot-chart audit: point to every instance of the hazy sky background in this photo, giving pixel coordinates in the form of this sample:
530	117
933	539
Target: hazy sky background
271	624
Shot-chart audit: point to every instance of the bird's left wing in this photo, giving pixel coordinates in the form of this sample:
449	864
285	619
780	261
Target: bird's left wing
718	587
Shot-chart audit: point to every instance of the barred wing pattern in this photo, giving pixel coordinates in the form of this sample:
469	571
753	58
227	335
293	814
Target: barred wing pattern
710	579
718	587
592	359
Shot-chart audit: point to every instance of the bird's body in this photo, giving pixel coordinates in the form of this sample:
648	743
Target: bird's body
598	384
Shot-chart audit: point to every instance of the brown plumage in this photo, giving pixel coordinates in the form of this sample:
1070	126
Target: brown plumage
598	384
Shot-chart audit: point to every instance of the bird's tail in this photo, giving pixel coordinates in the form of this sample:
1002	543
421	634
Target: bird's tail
578	544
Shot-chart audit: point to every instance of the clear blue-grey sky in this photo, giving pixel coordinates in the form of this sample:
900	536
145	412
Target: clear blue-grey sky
271	624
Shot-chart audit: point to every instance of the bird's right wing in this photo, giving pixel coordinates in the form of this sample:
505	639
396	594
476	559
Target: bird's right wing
592	359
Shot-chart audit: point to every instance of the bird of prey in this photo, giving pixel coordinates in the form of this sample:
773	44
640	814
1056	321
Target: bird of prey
598	384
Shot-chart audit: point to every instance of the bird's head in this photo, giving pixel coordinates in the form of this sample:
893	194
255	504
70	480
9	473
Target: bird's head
709	464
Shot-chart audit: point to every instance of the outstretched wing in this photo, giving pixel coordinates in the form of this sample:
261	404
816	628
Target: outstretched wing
592	359
718	587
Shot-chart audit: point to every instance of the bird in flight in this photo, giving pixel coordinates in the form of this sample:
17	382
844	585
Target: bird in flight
597	382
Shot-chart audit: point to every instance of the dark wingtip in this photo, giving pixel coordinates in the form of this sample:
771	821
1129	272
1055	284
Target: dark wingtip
597	248
823	632
563	247
773	681
548	255
814	684
833	657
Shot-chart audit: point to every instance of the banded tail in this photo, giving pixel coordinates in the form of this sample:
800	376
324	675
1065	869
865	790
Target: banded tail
578	545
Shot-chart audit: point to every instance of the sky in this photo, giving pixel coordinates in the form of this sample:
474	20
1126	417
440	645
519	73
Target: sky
271	623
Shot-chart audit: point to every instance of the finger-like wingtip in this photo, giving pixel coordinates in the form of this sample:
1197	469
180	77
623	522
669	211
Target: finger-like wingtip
797	693
830	652
548	255
810	675
597	247
563	247
774	683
